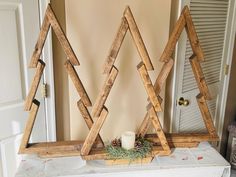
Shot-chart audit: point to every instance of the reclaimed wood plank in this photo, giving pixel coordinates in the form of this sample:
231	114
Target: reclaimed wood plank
61	37
103	94
199	76
34	85
88	119
206	115
138	39
149	87
77	83
29	126
93	133
192	35
174	37
115	48
40	42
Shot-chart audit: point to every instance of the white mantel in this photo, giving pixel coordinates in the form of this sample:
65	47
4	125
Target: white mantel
203	161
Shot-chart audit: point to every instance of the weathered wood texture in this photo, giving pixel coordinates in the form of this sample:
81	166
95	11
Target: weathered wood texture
158	129
199	76
115	48
34	85
192	35
102	97
88	119
138	39
61	36
170	46
40	43
29	126
206	114
149	87
93	133
77	83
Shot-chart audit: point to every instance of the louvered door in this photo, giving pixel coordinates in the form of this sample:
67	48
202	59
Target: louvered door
210	20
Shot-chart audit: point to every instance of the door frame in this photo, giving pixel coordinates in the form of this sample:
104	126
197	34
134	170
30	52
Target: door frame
227	54
48	77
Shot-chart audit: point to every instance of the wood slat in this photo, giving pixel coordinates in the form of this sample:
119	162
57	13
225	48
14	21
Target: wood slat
192	35
88	119
93	133
29	125
206	115
138	39
199	76
158	129
144	125
174	37
149	87
77	83
61	36
162	76
34	85
40	43
115	48
102	97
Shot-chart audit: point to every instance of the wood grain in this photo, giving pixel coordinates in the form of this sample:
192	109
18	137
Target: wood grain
206	115
61	36
34	85
199	76
149	87
103	94
158	129
138	39
192	35
115	48
88	119
174	37
40	42
29	126
93	133
77	83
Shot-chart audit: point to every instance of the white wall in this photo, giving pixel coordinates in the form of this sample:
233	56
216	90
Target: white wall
91	27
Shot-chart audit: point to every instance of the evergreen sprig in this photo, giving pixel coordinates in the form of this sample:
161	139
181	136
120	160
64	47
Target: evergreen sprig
132	154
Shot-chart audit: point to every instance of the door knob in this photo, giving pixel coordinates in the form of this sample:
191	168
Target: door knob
183	102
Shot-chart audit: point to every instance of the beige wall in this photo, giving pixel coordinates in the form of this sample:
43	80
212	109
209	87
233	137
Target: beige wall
60	77
91	26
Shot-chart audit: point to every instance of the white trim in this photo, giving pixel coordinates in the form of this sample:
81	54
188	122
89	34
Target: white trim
232	31
49	79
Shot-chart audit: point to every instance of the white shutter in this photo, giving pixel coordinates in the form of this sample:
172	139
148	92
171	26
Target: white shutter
210	19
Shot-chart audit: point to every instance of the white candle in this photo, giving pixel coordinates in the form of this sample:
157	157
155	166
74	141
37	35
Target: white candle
128	140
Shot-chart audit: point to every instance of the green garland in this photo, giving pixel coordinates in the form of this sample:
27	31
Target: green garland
117	152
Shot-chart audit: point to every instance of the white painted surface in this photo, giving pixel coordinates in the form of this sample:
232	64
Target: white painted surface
213	22
183	162
19	29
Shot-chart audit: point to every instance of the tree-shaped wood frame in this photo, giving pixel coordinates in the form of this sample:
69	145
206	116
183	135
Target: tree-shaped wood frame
185	139
93	146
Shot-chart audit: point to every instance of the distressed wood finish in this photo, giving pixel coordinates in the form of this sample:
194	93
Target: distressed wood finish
199	76
192	35
29	126
144	125
138	39
149	87
88	119
115	48
157	126
206	115
34	85
61	36
102	97
77	83
93	133
178	28
40	43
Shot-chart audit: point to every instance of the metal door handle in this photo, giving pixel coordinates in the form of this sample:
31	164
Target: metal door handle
183	102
